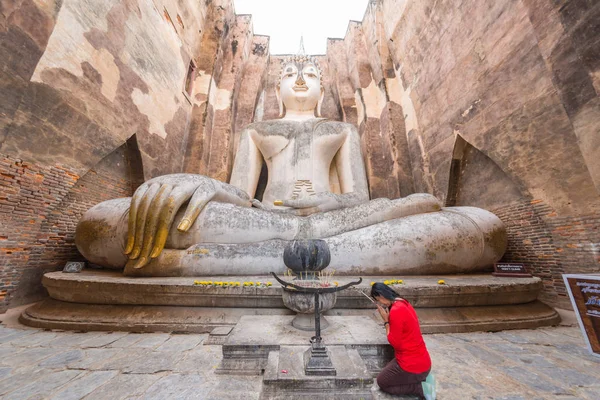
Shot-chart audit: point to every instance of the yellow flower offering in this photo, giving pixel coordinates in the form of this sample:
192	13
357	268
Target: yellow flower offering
209	282
393	281
196	282
372	283
336	284
269	284
386	282
441	282
400	282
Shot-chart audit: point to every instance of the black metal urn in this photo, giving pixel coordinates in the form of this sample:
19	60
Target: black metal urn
306	257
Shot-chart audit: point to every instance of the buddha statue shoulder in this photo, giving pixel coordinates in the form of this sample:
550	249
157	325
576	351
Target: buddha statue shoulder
192	225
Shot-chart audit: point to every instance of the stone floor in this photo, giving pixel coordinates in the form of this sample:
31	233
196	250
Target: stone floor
547	363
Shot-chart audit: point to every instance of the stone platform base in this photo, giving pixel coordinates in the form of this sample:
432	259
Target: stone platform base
353	381
106	300
271	347
357	347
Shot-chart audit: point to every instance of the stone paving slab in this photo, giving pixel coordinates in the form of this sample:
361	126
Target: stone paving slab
94	357
545	363
28	357
41	387
178	386
36	339
150	340
126	341
84	385
180	343
68	339
124	386
204	360
103	339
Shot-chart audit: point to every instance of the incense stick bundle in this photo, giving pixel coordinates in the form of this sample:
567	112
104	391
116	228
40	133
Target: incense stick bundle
368	297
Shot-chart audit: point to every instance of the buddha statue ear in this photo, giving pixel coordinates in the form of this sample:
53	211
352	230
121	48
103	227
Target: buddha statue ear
280	102
320	103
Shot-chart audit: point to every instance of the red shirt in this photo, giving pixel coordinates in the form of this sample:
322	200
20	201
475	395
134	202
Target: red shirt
406	339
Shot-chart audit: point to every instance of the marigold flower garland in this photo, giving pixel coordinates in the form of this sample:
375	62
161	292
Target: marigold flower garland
391	282
231	284
401	282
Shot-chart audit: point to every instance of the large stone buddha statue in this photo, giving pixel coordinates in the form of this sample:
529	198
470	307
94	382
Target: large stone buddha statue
192	225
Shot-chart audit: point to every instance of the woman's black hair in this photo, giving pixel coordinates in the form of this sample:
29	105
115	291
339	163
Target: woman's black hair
381	289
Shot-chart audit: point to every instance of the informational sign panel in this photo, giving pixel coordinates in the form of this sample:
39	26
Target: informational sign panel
584	291
510	269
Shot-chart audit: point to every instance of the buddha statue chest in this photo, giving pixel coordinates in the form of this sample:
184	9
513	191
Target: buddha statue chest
299	150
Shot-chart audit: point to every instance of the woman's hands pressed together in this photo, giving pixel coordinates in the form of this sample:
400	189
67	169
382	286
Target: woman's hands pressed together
384	312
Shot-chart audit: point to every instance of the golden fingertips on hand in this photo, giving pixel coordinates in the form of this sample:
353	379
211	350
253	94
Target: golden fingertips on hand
140	263
130	243
184	225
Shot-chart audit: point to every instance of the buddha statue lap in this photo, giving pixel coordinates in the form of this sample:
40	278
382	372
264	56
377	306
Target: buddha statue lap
192	225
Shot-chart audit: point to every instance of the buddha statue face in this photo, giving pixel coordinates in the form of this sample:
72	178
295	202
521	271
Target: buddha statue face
300	87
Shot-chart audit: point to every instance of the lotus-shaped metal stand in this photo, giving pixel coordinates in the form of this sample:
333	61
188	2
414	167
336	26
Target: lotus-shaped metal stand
305	258
316	359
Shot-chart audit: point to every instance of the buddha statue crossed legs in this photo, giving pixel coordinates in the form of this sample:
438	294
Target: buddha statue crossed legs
192	225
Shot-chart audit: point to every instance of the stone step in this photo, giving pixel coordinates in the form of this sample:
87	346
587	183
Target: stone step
54	314
284	376
111	287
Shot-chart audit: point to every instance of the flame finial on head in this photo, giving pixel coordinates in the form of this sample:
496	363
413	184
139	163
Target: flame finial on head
301	50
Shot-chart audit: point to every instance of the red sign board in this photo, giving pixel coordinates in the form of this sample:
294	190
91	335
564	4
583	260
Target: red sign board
584	291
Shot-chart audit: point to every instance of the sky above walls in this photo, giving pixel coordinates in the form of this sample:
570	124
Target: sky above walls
286	20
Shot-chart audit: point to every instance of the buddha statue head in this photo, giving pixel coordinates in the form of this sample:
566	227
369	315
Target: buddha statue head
299	87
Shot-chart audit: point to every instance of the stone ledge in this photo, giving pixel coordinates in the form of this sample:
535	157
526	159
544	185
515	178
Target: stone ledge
54	314
111	287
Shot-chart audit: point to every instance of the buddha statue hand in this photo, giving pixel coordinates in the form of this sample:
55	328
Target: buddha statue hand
155	203
317	202
257	204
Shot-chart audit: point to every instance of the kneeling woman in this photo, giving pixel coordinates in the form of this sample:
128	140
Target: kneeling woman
411	364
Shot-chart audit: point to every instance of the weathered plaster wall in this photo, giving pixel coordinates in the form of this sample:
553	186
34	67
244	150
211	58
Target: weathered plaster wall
97	73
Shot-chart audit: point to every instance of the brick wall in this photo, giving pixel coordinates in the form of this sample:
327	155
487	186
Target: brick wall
39	209
551	245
